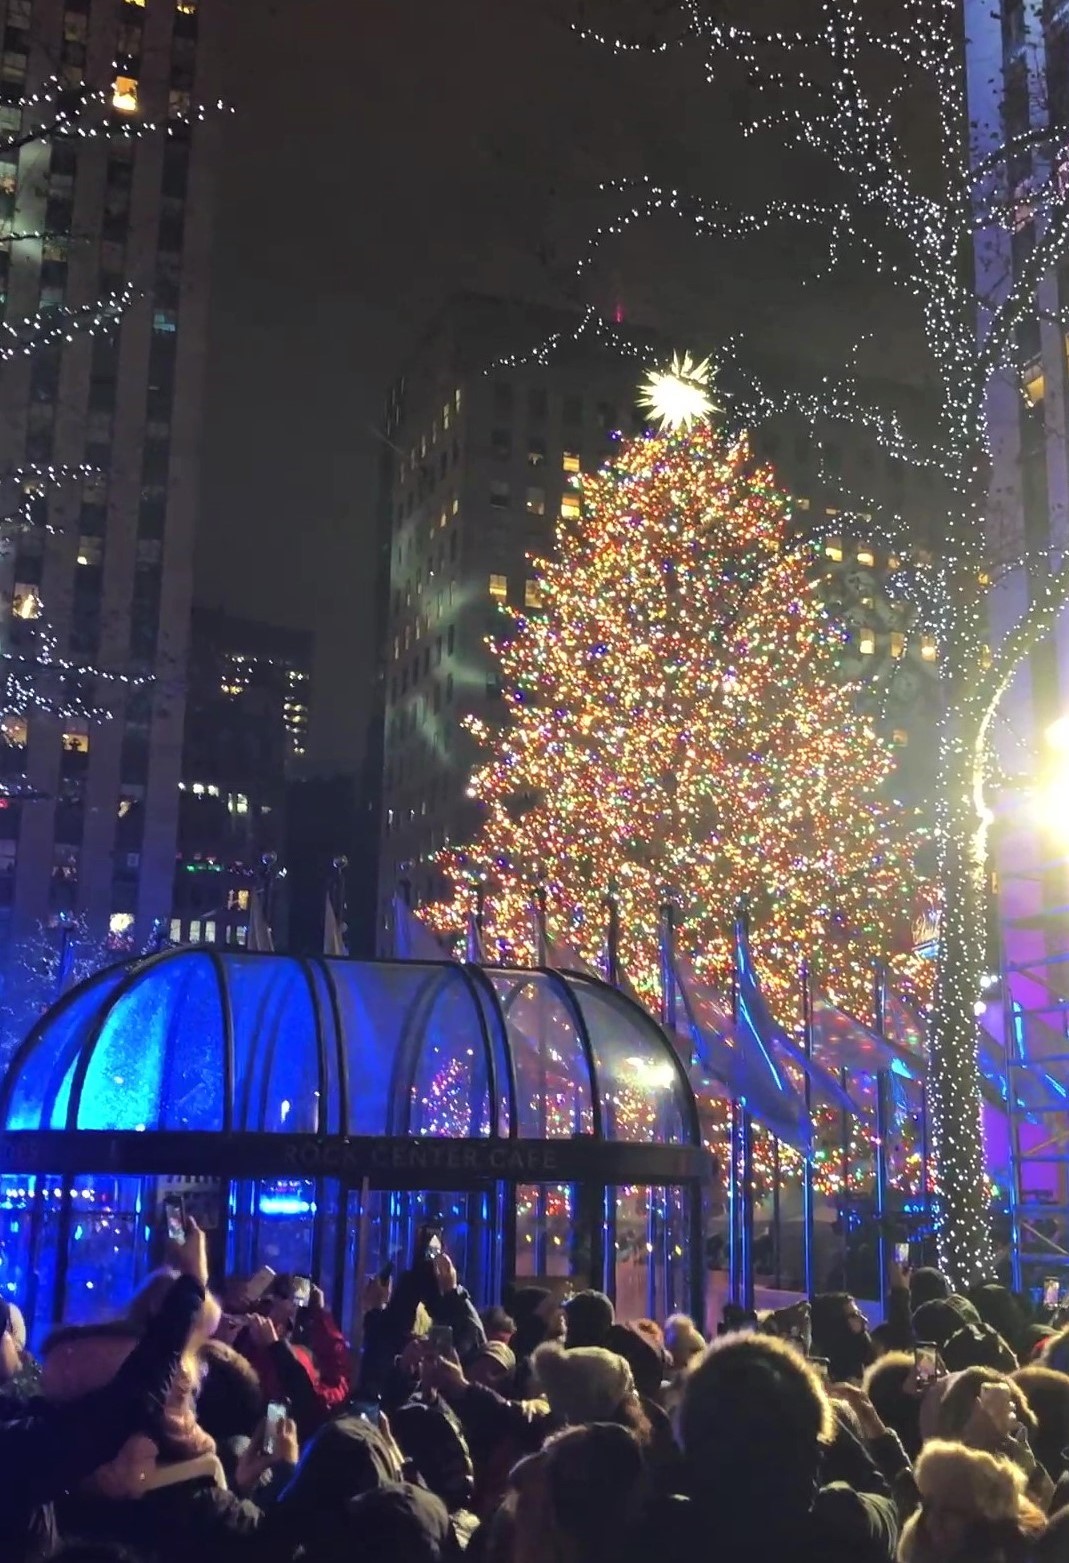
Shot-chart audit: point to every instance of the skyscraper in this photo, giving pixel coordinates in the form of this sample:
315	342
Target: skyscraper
108	561
482	459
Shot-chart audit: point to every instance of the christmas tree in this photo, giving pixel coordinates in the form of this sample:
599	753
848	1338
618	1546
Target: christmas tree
678	725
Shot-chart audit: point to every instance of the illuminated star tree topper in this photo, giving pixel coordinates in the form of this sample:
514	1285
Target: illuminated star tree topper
678	397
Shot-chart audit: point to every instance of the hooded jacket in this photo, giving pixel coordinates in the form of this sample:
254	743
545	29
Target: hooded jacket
46	1449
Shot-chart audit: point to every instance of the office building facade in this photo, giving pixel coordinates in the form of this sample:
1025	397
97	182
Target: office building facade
245	725
90	825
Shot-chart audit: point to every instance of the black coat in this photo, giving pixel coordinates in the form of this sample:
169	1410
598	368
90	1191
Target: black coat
47	1449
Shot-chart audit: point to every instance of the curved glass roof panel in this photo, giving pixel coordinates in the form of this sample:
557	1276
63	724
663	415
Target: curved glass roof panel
554	1099
41	1078
276	1045
156	1061
644	1091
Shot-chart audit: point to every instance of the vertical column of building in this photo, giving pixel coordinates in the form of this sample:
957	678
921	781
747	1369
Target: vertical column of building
120	211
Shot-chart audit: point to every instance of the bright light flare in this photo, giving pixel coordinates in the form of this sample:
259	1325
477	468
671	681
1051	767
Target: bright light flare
678	397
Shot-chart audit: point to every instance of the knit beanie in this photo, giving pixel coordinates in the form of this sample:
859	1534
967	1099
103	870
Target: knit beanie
937	1321
590	1316
503	1355
587	1384
927	1284
524	1302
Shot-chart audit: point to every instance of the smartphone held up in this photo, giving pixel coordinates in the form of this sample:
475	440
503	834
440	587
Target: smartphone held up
277	1412
174	1215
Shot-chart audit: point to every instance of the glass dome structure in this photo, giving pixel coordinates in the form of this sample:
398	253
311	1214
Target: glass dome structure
314	1113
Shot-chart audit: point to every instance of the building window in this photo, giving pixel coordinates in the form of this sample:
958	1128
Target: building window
26	601
499	587
537	404
532	594
76	736
501	443
572	411
570	507
499	495
124	94
898	643
929	648
570	461
866	556
176	930
502	399
536	451
90	550
450	639
536	502
833	549
867	642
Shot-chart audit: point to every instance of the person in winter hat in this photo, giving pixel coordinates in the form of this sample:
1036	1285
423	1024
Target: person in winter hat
588	1384
539	1317
590	1316
973	1509
494	1366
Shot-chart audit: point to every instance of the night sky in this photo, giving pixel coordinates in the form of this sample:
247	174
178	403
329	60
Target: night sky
382	158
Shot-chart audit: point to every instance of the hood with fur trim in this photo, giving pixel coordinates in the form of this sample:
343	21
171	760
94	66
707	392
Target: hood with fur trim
84	1357
975	1490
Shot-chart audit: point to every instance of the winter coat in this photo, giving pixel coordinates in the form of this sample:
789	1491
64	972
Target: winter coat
46	1449
314	1378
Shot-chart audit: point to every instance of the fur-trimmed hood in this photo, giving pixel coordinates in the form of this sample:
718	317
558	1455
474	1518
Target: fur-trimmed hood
974	1491
82	1358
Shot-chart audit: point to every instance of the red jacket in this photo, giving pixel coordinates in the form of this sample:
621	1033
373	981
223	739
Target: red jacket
313	1377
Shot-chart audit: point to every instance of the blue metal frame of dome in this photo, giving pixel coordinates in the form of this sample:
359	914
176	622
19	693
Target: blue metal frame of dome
175	1063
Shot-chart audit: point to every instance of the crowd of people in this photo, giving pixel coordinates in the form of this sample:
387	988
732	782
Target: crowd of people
198	1427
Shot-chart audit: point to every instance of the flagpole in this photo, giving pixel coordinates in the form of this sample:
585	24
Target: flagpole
612	944
742	1152
883	1130
807	1162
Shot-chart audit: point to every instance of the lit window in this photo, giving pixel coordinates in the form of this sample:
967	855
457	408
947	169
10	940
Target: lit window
13	728
831	511
194	931
532	595
570	507
866	556
124	94
456	398
26	602
176	930
536	501
1035	385
76	736
184	7
164	321
209	932
900	737
867	643
833	549
570	461
90	550
242	901
536	452
120	923
801	503
447	416
984	578
929	649
499	587
898	643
